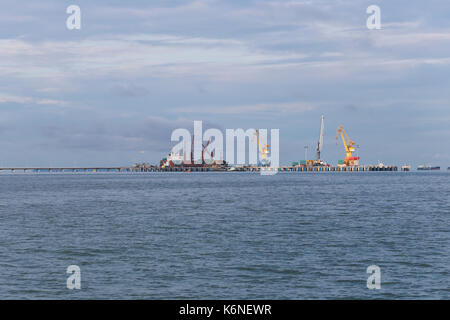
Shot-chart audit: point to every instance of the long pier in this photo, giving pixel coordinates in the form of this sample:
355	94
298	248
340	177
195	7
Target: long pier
197	169
68	169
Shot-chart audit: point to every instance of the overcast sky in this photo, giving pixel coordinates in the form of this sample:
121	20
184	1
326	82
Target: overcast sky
112	92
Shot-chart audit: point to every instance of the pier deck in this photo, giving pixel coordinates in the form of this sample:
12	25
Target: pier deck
195	169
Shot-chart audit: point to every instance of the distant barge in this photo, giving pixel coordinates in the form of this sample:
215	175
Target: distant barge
422	167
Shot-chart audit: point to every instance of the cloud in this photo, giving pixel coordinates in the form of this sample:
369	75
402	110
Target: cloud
129	89
136	68
132	54
6	98
291	107
411	39
148	134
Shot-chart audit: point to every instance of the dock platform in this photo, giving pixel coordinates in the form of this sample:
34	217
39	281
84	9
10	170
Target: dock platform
197	169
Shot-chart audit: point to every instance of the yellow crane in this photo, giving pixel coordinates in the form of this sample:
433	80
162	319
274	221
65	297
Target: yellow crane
263	149
349	160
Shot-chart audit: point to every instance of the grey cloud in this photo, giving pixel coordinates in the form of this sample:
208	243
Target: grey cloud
150	134
129	89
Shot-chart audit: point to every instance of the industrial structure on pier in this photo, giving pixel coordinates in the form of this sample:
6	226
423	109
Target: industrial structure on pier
176	162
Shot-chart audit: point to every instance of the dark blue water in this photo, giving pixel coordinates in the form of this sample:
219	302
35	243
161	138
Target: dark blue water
225	235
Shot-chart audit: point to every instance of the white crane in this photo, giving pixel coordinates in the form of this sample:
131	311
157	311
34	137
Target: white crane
320	142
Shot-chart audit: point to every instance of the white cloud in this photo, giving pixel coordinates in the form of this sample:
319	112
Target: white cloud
411	39
5	98
126	54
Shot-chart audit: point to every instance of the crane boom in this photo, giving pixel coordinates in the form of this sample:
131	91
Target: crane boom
350	160
320	142
263	148
204	149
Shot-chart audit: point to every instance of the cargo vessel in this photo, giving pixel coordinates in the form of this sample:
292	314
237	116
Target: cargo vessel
423	167
172	160
183	161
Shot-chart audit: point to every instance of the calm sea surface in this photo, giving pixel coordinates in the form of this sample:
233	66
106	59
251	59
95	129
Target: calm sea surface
225	235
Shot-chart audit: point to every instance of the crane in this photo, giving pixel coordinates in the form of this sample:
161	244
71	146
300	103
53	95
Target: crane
210	154
263	149
197	163
320	142
318	162
349	160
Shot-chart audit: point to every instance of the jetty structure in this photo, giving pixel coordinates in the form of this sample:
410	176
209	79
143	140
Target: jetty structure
210	163
151	168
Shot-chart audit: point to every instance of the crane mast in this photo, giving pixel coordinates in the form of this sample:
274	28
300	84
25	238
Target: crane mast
320	142
318	161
